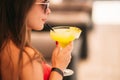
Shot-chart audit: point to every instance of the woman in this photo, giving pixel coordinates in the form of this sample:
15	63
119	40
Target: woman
18	60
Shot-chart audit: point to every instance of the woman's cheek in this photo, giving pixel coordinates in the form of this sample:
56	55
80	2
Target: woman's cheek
36	24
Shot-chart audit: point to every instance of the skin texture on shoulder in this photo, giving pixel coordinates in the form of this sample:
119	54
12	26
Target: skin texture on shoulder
32	68
31	71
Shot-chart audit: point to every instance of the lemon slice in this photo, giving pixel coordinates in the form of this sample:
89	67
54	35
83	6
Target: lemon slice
76	31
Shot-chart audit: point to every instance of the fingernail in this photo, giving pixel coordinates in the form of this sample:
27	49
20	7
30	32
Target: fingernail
56	43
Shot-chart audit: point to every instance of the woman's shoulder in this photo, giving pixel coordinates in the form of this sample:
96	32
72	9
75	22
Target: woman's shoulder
32	65
30	54
29	51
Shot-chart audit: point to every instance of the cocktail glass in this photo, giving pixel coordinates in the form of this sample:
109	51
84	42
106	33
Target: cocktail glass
64	35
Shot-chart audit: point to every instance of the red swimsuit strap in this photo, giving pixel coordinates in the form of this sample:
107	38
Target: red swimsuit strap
47	70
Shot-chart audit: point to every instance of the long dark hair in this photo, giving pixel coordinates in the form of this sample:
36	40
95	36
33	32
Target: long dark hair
13	15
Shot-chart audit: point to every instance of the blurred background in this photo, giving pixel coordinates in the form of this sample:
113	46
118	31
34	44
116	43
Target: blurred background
96	54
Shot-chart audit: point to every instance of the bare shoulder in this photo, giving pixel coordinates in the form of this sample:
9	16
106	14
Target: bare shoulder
30	51
32	68
31	54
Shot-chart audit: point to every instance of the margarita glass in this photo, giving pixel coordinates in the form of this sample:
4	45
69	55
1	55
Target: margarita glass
64	35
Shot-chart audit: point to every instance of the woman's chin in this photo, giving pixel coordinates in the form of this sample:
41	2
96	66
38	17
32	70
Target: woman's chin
36	27
39	27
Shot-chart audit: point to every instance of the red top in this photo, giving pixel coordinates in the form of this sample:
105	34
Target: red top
47	70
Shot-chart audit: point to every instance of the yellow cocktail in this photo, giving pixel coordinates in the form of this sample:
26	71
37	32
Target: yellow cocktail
65	34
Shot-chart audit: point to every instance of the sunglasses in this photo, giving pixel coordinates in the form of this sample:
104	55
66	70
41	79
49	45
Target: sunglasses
45	5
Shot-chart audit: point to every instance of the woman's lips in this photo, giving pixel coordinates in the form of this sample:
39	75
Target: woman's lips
44	20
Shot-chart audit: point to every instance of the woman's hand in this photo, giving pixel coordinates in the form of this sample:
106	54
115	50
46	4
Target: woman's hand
61	57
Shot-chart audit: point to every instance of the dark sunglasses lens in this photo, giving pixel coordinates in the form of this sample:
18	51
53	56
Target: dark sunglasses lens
44	6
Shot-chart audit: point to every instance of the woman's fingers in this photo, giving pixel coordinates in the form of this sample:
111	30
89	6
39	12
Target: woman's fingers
62	56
